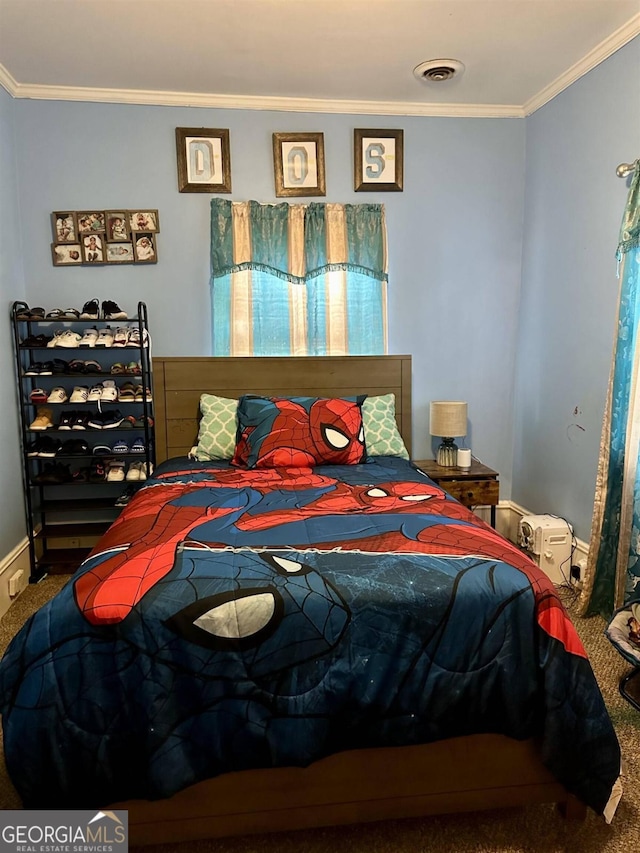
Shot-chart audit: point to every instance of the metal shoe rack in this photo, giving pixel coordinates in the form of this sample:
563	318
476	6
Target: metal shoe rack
65	517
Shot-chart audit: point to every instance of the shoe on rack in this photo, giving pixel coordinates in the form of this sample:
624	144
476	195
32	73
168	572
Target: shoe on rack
49	447
121	337
53	342
138	446
95	420
138	423
101	450
47	368
66	420
80	421
38	395
121	447
90	310
36	341
105	338
69	339
112	311
80	475
59	395
50	475
115	471
33	448
97	472
127	393
109	391
34	369
125	497
43	419
90	338
112	420
79	394
92	366
133	472
74	447
59	366
95	393
76	365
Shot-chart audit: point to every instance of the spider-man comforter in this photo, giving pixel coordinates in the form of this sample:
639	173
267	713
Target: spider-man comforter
236	619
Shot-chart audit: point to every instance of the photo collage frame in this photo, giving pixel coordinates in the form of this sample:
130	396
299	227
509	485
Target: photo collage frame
98	237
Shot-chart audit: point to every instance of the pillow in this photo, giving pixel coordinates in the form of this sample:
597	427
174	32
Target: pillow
299	432
217	430
380	428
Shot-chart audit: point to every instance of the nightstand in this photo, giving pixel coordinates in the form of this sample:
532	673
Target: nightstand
474	486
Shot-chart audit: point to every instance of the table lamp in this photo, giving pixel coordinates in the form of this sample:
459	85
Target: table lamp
447	419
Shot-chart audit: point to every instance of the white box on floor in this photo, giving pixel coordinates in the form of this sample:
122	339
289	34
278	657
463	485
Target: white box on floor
548	541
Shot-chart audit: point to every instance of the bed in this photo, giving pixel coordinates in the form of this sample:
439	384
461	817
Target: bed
348	649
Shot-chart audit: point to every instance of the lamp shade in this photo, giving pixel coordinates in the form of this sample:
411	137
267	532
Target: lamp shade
448	418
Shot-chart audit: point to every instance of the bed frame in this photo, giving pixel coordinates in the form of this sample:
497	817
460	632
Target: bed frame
461	774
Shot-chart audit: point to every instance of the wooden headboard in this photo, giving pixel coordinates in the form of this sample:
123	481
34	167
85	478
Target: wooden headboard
179	382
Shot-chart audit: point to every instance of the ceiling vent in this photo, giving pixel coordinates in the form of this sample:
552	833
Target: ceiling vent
438	70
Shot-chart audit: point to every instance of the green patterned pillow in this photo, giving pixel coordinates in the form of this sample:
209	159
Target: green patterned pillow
380	429
217	431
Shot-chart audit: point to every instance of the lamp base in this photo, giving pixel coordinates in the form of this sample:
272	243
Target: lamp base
447	453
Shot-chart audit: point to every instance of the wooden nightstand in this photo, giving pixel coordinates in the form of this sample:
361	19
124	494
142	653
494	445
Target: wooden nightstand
474	486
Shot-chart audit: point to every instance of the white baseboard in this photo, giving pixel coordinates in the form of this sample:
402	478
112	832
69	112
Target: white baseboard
15	562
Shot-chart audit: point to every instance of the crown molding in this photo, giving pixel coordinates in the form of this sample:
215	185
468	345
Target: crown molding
250	102
603	51
7	81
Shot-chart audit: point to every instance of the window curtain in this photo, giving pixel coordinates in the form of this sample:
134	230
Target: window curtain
293	279
613	567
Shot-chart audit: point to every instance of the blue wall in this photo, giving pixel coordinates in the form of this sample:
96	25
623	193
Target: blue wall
454	235
12	523
574	205
457	256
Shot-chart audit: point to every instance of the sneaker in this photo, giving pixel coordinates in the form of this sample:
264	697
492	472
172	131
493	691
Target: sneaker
133	472
66	420
95	393
105	338
34	369
42	420
59	367
121	337
74	447
80	475
97	472
121	447
59	395
92	366
69	339
33	449
90	310
53	341
49	447
38	395
47	368
125	497
127	393
50	475
101	450
109	391
36	341
115	471
76	365
111	420
90	338
79	394
138	446
80	421
112	311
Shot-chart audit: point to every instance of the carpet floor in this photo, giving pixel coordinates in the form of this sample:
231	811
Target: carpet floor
535	829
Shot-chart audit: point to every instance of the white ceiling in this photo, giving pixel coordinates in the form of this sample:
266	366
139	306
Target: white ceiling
350	56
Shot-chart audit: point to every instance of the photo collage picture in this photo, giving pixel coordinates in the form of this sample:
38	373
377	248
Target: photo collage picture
92	237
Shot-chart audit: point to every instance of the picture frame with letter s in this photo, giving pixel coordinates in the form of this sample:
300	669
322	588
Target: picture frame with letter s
378	160
204	160
298	162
